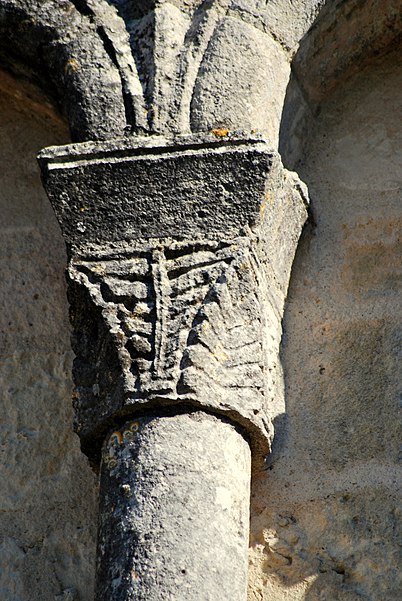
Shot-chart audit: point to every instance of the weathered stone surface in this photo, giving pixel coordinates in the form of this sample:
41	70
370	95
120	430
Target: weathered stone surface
178	272
163	320
184	53
285	20
325	513
47	490
345	37
342	546
118	67
158	187
174	511
330	502
243	94
64	48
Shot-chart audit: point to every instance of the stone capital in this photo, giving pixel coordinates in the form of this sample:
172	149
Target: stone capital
180	251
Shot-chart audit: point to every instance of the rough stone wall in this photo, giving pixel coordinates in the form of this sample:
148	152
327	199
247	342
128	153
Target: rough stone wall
325	515
48	494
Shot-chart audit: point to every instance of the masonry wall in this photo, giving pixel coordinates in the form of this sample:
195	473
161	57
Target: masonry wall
325	515
47	491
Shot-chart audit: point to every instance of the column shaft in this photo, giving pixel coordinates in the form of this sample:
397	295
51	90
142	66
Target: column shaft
174	511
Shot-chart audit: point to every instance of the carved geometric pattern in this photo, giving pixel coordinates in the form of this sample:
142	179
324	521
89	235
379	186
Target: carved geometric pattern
167	323
170	312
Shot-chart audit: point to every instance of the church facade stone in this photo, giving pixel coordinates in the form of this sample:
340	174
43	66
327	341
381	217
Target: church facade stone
202	136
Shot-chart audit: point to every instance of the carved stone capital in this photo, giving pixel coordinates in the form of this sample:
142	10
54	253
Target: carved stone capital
179	258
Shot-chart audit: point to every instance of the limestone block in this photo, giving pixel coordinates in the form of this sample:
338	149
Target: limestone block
47	490
12	558
180	253
66	45
343	546
327	511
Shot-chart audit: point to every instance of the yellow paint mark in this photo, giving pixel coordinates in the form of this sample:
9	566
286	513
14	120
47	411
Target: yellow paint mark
220	132
71	66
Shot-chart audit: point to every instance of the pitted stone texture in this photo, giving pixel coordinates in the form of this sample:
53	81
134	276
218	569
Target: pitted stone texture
120	67
65	49
191	316
330	501
47	490
286	21
159	187
216	62
174	511
246	93
172	326
342	546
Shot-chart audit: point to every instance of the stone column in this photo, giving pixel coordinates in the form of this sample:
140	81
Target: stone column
174	510
179	258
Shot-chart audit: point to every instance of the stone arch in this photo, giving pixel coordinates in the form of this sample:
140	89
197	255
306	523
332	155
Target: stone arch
343	39
103	98
66	46
335	478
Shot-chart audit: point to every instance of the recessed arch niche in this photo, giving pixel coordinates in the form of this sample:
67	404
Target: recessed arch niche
48	496
328	522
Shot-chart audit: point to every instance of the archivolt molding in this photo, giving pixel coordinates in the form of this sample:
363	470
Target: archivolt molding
180	249
121	67
344	38
70	49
